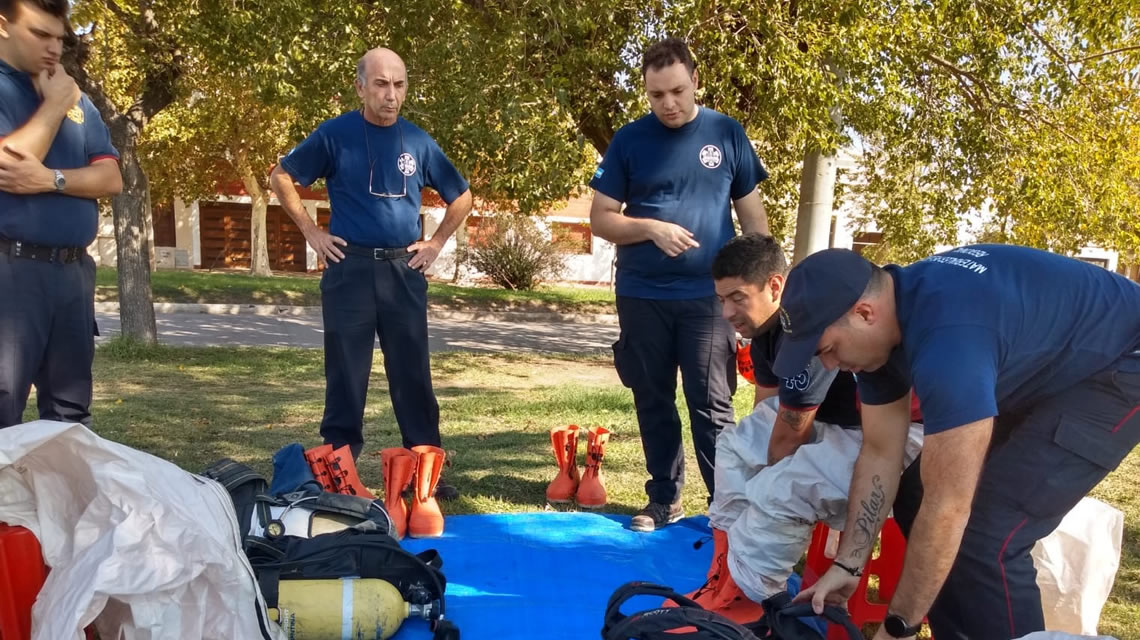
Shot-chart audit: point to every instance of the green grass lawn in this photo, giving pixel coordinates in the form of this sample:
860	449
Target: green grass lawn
194	405
234	287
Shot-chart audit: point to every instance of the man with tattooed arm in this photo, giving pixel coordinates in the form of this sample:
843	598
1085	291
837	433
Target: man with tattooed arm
1047	345
788	464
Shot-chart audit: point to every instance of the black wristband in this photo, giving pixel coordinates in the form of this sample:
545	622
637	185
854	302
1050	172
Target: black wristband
854	572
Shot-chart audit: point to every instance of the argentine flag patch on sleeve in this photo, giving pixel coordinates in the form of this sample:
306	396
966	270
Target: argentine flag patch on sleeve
598	173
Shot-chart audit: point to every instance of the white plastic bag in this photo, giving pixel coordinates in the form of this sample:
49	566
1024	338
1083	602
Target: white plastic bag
1076	565
150	549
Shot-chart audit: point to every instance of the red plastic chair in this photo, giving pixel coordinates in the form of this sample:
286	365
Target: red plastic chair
22	574
887	565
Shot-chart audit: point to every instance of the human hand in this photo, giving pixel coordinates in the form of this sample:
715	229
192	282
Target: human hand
672	239
23	173
835	587
57	87
325	244
426	251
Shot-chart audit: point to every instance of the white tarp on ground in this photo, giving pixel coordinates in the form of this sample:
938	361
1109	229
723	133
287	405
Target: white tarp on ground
150	549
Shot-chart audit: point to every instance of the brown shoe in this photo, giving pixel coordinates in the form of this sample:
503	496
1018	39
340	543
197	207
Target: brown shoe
656	515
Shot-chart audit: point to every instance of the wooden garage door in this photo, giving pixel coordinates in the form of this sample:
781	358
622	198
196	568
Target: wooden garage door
225	237
224	228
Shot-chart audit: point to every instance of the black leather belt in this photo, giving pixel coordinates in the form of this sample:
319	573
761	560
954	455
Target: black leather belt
18	249
375	254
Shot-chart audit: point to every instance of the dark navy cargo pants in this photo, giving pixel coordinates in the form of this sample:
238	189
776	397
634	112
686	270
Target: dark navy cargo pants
361	298
1041	463
657	337
47	322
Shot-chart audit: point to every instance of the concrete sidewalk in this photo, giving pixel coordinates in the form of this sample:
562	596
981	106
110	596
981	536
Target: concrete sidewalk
433	313
294	328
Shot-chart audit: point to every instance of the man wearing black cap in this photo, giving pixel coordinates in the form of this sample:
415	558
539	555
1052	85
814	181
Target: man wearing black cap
1049	344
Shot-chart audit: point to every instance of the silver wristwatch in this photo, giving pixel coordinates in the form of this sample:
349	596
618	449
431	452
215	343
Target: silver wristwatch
59	181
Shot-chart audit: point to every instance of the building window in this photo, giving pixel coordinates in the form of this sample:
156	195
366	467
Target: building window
864	240
575	236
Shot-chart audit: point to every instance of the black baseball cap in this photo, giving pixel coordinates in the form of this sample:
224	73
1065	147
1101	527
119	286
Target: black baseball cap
819	290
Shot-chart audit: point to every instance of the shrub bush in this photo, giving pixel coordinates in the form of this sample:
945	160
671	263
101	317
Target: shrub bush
514	252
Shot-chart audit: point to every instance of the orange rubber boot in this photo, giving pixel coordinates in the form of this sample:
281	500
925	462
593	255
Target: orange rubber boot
730	602
342	472
399	466
718	571
426	520
316	459
565	484
592	490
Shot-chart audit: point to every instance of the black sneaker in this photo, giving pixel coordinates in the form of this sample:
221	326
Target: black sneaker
656	515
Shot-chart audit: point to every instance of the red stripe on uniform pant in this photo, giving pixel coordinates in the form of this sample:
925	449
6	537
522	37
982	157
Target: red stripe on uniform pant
1125	419
1004	582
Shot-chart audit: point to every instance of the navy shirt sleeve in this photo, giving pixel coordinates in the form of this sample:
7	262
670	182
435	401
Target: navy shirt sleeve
762	363
98	137
610	177
749	171
955	374
310	160
809	388
887	383
7	121
441	175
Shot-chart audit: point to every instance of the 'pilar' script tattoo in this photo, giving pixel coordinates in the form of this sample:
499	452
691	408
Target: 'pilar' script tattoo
867	524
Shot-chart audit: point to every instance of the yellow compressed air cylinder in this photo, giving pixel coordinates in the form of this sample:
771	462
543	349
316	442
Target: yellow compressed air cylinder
348	608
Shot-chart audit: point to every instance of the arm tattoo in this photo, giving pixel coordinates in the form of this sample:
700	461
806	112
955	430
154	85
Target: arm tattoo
869	520
794	419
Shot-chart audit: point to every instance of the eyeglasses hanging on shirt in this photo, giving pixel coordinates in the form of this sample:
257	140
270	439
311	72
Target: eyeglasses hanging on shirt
399	160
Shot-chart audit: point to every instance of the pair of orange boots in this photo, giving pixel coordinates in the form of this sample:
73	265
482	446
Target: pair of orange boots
335	470
587	488
420	467
720	592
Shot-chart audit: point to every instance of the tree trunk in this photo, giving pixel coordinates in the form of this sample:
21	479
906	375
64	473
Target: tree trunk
259	248
132	244
817	202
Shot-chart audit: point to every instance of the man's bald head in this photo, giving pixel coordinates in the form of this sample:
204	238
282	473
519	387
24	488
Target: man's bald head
381	85
382	56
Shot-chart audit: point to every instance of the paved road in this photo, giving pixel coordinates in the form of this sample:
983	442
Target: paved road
305	331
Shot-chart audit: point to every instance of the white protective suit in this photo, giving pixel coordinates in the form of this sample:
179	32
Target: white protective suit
770	512
150	549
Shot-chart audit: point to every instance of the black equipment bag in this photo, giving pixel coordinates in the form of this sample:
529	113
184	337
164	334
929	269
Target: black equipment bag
689	621
666	623
783	620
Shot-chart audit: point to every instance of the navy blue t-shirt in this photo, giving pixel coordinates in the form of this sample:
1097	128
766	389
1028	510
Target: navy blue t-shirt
359	159
52	219
688	176
832	393
989	329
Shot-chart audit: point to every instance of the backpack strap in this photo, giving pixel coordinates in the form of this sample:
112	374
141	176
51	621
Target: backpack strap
666	623
783	620
831	613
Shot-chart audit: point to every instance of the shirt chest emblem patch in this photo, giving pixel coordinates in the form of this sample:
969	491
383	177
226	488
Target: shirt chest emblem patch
406	164
75	114
710	156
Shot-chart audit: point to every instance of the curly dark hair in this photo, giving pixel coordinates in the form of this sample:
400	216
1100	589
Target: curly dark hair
668	51
752	257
